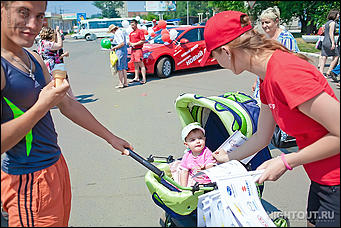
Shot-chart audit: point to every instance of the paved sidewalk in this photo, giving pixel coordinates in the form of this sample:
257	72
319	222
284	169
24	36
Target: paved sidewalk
315	58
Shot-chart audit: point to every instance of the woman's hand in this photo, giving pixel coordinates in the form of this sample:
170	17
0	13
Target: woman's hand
274	169
120	145
221	156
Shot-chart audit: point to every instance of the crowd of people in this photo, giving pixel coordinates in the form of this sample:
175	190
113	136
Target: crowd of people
294	94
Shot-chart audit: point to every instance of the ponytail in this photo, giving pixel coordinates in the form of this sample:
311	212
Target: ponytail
255	43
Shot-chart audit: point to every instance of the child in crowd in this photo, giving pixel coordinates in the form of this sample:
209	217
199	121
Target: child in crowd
198	157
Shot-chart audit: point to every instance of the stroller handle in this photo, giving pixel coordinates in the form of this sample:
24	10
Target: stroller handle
146	163
161	174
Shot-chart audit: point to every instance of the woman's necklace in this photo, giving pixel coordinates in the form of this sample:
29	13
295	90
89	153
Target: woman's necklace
24	65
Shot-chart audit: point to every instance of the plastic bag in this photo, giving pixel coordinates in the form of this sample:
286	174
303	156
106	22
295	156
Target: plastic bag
318	44
113	58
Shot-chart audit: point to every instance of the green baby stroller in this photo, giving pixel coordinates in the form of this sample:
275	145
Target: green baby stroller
220	116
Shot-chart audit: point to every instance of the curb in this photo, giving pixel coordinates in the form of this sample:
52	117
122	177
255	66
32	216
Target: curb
310	54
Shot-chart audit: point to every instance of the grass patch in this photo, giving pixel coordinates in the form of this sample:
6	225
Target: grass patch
306	47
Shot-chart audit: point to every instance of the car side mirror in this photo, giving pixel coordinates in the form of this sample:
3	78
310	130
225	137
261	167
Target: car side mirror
184	41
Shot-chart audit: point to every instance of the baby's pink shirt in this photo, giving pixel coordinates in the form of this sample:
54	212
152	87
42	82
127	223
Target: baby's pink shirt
193	164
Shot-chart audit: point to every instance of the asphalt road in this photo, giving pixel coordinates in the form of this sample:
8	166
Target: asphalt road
108	188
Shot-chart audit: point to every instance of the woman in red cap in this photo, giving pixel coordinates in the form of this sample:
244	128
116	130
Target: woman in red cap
296	96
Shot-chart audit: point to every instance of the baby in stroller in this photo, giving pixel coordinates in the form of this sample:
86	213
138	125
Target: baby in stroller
197	156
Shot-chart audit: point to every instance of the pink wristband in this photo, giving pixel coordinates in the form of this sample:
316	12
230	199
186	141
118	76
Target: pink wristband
285	162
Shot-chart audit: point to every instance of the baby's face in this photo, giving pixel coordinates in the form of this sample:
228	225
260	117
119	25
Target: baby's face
195	141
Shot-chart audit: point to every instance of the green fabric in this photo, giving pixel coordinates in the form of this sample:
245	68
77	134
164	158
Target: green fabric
281	222
182	203
198	104
16	113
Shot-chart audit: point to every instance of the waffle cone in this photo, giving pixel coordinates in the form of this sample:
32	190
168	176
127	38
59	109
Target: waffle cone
59	76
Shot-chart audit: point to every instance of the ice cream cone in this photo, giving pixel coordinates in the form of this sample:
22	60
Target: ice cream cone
59	76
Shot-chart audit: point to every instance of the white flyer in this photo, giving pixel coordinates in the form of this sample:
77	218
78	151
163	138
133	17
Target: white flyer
241	196
212	213
224	170
231	169
234	141
237	203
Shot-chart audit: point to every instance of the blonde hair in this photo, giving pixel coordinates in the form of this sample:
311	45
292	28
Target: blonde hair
47	33
271	13
256	43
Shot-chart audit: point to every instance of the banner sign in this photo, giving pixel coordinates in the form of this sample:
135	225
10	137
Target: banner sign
160	5
80	17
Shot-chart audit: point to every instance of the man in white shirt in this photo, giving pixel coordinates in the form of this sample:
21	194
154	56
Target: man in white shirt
121	50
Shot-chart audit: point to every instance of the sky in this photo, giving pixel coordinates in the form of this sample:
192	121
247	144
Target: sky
85	7
72	7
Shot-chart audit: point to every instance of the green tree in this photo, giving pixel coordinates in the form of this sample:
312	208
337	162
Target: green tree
311	14
219	6
150	16
109	8
194	7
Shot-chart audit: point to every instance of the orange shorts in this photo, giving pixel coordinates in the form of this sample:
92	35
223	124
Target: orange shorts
41	199
136	55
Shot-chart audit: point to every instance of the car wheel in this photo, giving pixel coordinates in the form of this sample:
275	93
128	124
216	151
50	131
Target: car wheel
88	37
164	67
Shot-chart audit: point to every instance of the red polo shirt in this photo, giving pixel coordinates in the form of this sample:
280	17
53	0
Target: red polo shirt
136	36
289	82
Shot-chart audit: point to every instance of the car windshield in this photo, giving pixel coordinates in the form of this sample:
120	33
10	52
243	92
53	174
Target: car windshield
158	40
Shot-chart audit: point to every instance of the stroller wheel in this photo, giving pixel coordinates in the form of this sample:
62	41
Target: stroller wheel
281	221
166	220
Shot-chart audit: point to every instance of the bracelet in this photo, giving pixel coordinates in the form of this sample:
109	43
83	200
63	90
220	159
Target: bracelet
285	162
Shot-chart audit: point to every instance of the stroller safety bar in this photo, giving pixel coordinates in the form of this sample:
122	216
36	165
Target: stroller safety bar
169	159
161	174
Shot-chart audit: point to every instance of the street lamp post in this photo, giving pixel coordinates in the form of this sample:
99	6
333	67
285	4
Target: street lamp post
200	17
187	14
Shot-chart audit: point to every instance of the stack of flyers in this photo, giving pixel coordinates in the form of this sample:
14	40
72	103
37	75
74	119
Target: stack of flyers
236	202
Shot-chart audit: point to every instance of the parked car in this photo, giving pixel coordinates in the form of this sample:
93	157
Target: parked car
77	36
184	52
171	23
158	32
89	37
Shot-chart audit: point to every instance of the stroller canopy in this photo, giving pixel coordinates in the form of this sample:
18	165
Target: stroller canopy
220	116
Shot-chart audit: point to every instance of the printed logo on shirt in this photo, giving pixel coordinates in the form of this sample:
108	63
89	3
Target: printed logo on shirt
272	106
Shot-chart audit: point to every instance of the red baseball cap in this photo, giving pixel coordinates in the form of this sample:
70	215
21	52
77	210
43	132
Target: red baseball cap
221	29
154	20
